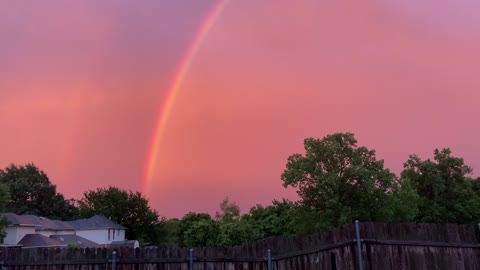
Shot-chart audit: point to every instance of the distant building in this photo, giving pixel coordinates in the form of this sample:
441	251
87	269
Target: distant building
34	231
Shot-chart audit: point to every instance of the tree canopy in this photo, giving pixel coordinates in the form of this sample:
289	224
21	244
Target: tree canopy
128	208
4	198
188	222
339	182
446	192
272	220
31	192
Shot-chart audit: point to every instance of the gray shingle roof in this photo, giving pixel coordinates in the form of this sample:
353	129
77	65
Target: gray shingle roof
42	224
73	238
15	219
38	240
95	222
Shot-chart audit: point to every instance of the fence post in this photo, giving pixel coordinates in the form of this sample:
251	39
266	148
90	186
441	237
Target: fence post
190	259
269	259
359	245
114	260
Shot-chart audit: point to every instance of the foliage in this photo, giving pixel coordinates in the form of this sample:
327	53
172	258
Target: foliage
404	201
4	199
199	229
236	233
73	245
272	220
338	182
186	223
31	192
170	236
446	193
229	211
205	232
130	209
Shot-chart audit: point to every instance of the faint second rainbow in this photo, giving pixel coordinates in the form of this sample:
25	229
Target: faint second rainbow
172	93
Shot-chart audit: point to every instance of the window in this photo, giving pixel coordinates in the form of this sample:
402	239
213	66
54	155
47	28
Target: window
108	234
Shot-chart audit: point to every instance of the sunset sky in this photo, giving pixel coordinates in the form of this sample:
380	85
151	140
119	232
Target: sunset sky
191	101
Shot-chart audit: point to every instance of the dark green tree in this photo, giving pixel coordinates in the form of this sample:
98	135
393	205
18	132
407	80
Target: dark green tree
170	228
338	182
237	233
404	202
272	220
31	192
202	233
128	208
186	223
4	199
198	229
445	190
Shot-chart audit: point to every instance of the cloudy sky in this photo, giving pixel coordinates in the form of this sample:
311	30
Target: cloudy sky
83	85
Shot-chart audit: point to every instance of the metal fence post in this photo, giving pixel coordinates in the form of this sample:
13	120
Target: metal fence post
359	245
114	260
190	259
269	259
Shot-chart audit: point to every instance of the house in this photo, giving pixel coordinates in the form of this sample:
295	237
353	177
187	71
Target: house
34	231
100	228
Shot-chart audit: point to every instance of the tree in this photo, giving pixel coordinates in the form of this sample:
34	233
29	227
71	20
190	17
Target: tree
446	192
4	199
237	233
404	201
198	229
186	223
338	182
170	228
272	220
31	192
202	233
130	209
229	211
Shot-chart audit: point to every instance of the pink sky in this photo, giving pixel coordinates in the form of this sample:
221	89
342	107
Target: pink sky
81	84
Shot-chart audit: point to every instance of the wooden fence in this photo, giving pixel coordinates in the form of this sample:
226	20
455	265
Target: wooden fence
383	245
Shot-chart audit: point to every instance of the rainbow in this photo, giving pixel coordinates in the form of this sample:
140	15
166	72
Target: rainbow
177	81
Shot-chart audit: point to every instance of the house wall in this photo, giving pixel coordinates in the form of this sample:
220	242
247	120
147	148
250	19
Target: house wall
16	233
103	236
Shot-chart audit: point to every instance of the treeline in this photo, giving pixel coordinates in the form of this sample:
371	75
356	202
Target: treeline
337	182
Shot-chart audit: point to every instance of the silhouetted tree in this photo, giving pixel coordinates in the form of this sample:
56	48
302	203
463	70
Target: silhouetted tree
31	192
130	209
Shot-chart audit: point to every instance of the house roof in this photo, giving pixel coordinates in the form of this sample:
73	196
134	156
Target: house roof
95	222
49	224
73	238
15	219
42	224
38	240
